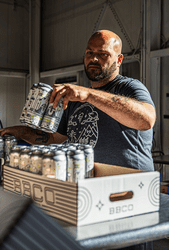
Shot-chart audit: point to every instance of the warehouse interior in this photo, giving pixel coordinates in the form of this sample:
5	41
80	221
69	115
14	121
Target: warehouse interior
45	41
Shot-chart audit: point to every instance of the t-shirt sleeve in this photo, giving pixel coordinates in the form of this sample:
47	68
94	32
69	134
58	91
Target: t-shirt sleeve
133	88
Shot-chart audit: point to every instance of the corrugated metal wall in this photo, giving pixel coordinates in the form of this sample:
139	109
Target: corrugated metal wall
165	77
14	52
67	26
12	100
14	56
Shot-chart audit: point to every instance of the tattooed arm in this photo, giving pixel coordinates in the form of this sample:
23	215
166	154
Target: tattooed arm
33	136
129	112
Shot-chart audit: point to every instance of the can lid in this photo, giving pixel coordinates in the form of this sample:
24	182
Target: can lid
45	85
59	152
25	150
37	152
78	151
13	149
48	154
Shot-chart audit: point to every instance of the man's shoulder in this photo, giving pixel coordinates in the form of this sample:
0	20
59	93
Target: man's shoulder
129	82
126	79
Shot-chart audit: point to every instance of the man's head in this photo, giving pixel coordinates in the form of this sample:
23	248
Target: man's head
103	57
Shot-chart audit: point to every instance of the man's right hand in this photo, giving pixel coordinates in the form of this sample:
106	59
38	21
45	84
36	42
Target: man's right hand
16	131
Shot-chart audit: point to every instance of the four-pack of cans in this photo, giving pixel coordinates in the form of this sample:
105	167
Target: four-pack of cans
67	162
38	113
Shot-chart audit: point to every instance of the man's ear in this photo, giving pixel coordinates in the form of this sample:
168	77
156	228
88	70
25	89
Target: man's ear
120	59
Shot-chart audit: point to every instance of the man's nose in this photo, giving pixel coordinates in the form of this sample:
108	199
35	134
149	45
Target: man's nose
95	58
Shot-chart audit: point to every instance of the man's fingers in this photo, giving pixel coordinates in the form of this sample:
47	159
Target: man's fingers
57	98
2	132
65	103
56	89
52	96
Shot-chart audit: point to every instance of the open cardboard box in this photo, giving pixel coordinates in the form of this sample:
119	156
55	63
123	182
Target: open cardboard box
117	192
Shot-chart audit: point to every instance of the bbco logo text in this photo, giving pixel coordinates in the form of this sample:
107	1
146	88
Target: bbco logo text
121	209
39	193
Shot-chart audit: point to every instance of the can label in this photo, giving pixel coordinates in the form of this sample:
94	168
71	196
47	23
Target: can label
89	159
60	167
37	107
78	170
14	160
70	169
52	117
48	168
24	162
36	165
24	111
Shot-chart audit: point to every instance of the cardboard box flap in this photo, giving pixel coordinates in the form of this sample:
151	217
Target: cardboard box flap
101	169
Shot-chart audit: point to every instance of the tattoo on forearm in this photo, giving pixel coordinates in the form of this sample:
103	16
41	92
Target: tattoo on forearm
43	137
117	98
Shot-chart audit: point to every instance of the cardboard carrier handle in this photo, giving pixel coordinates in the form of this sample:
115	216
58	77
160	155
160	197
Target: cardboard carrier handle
121	196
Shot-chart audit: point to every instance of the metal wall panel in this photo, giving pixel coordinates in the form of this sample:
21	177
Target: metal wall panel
164	101
14	52
12	100
67	26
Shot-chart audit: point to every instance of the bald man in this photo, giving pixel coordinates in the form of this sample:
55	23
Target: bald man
116	115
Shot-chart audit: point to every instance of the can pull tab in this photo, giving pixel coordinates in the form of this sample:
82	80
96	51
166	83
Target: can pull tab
121	196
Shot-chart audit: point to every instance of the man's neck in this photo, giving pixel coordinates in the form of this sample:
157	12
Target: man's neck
98	84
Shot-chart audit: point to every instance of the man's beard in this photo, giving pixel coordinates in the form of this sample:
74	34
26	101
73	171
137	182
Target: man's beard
93	75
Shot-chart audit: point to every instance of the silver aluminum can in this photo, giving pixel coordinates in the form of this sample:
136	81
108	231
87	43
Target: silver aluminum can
69	157
1	147
25	159
37	146
48	167
89	161
64	149
14	156
45	149
34	147
52	117
38	105
54	146
9	142
60	165
78	165
31	94
36	161
75	144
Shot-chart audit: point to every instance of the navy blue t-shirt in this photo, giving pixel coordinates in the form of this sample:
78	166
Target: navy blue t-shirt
113	142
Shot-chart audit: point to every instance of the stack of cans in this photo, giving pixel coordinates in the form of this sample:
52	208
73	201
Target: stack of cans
9	142
38	113
69	162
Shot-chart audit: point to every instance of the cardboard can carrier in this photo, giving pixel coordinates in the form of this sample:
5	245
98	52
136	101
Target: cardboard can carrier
115	192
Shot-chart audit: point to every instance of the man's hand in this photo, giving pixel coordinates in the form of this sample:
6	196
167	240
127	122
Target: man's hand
16	131
70	92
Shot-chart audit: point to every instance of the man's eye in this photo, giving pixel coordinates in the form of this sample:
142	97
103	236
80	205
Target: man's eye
89	53
104	54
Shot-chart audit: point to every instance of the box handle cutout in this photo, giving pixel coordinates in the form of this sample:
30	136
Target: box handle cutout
121	196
